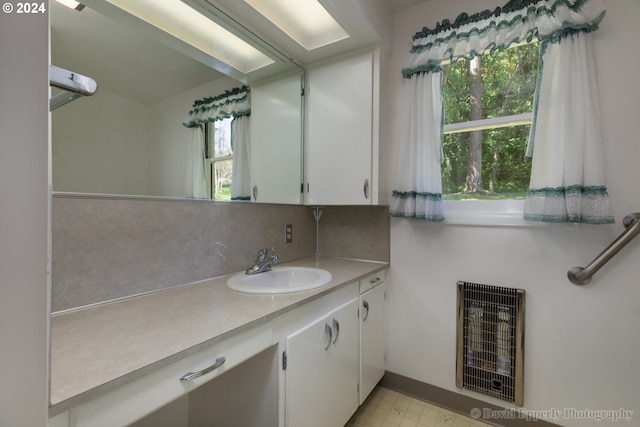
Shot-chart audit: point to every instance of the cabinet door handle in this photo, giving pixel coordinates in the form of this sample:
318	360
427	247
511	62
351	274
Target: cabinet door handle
255	192
329	333
366	188
191	375
365	305
336	326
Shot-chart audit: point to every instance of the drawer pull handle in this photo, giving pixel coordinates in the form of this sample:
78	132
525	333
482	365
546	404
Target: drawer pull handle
374	281
191	375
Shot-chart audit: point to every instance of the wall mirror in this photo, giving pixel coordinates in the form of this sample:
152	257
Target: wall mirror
128	138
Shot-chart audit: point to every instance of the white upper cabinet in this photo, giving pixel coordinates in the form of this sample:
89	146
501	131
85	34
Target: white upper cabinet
276	135
341	138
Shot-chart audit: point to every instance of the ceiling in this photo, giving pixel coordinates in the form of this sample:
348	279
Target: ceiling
120	59
129	63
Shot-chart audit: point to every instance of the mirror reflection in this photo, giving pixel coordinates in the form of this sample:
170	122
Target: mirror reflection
130	138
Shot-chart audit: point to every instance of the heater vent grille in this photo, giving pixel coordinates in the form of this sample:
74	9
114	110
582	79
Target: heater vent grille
490	341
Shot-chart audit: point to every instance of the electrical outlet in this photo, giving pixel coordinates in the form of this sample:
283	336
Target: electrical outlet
288	233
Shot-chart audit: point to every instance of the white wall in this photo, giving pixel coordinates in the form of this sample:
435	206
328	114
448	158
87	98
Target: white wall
582	346
24	219
110	144
100	144
169	138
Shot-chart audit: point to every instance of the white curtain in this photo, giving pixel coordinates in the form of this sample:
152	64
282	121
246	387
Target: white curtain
241	178
567	176
233	103
196	182
418	189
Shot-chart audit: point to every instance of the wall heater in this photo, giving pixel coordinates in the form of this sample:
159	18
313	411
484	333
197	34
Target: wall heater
490	341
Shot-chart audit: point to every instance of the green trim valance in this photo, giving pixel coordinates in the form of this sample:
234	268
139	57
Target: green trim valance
495	30
235	102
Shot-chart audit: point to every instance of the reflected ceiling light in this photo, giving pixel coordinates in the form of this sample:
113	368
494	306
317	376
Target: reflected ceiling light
185	23
72	4
305	21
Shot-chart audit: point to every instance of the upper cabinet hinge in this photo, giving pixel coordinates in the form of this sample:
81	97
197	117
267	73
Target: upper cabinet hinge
302	91
284	360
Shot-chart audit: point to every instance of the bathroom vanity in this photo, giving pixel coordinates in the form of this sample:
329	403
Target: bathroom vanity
203	353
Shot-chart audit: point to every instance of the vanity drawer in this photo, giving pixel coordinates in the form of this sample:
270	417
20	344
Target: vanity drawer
141	397
372	281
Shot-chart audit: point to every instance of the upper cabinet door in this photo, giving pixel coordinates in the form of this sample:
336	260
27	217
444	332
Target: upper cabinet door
341	137
276	140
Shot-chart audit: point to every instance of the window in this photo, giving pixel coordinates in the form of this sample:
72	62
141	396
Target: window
219	157
488	104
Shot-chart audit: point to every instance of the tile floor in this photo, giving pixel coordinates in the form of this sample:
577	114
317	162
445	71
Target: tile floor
388	408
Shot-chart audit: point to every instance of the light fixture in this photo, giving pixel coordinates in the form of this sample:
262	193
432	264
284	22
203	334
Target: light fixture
305	21
185	23
72	4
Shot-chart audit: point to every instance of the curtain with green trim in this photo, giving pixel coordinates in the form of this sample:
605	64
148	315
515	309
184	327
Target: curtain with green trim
196	184
240	173
418	188
234	103
555	23
566	143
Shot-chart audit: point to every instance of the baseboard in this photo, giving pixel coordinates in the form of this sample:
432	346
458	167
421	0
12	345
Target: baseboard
461	404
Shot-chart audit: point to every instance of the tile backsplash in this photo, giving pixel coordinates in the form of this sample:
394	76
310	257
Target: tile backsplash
105	248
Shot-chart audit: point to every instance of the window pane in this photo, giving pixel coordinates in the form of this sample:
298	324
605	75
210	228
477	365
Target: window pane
505	168
222	138
221	179
504	81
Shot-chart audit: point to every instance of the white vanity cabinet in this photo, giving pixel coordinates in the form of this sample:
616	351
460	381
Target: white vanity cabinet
322	370
341	141
127	405
372	332
304	360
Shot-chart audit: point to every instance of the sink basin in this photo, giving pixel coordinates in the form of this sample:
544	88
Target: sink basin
280	280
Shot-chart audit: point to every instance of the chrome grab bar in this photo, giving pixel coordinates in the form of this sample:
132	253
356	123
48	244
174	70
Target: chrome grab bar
582	275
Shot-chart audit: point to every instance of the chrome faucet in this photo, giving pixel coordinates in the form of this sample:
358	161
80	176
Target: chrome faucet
263	261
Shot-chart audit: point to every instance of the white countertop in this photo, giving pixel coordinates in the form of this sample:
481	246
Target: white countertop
95	350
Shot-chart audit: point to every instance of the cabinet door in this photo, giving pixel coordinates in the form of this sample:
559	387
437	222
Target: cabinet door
321	377
276	140
372	339
338	146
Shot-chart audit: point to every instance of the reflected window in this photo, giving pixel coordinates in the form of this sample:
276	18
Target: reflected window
219	157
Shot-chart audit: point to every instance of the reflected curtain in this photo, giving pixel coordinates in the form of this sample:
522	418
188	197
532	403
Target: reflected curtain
196	182
240	173
553	22
233	103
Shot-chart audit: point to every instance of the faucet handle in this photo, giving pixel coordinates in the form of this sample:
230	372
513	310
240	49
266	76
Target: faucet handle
262	253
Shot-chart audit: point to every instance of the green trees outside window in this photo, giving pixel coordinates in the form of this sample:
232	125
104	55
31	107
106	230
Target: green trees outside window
489	163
